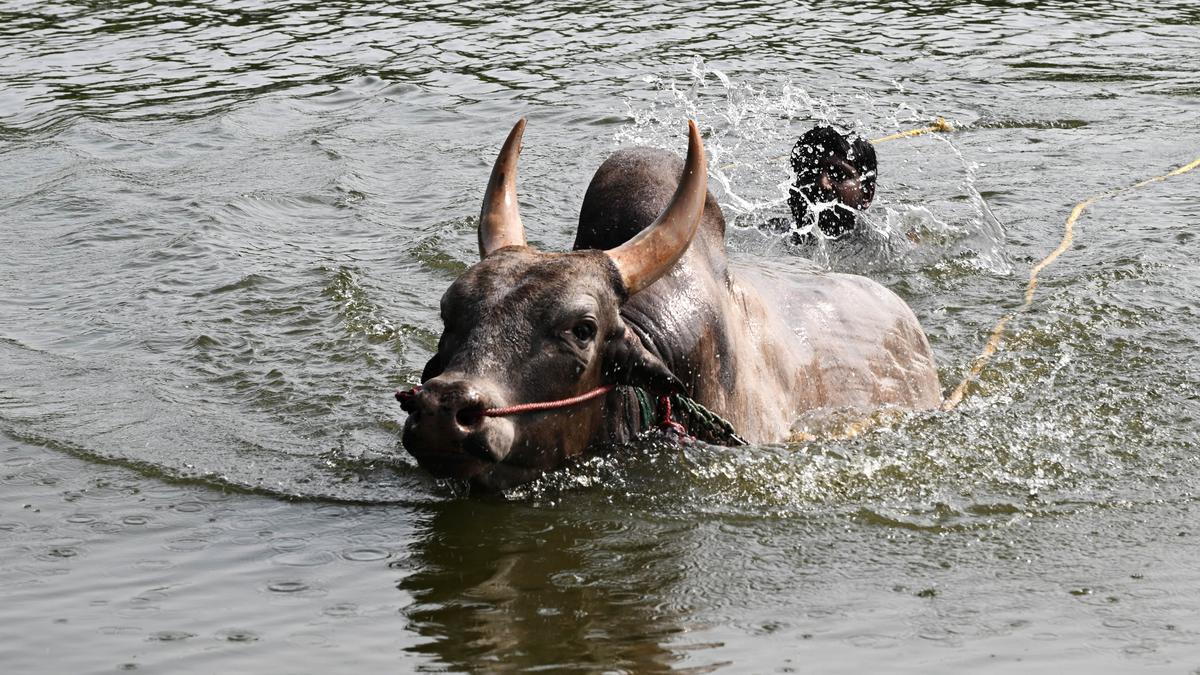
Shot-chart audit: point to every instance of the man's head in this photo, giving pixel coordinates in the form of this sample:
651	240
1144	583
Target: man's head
835	178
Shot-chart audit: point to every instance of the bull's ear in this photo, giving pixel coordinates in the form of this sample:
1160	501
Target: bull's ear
627	362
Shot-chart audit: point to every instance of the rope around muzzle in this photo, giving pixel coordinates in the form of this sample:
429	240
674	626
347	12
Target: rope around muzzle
547	405
706	423
405	396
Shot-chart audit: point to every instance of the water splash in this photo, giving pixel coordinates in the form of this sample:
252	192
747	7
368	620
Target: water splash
929	209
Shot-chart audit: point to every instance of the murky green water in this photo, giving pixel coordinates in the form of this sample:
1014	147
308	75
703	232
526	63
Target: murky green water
225	227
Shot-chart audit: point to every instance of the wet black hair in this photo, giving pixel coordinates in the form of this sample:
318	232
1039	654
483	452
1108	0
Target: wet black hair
810	156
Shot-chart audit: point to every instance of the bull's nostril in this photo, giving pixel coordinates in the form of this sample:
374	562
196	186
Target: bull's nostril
470	416
408	399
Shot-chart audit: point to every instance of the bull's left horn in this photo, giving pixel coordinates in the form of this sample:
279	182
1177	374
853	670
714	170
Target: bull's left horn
500	222
649	255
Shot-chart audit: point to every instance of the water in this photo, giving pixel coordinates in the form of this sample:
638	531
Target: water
225	227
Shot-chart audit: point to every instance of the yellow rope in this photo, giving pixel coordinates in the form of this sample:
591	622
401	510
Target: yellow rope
993	343
939	125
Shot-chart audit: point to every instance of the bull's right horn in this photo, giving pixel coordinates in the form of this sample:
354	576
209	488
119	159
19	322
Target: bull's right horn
650	254
500	222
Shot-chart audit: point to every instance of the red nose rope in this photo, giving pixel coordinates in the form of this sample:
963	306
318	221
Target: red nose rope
664	404
547	405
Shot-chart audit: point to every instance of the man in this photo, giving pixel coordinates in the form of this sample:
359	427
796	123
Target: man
835	179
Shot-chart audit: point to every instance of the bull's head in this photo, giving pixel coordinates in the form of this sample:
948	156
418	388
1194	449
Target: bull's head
524	326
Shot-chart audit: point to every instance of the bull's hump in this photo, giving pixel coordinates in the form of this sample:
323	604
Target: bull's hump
626	194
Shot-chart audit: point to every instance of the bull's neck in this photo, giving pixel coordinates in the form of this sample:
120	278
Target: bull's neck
646	328
625	414
676	340
623	418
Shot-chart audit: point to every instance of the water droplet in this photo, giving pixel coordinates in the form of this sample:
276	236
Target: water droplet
186	544
305	558
287	586
238	635
365	554
341	610
170	636
283	544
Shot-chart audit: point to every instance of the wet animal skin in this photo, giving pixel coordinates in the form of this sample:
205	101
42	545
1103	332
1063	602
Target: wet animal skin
649	299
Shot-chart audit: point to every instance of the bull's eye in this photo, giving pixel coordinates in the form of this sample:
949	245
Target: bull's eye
584	331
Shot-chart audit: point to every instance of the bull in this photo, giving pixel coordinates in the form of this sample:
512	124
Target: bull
647	298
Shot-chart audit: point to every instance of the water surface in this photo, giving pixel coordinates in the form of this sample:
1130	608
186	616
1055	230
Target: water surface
225	228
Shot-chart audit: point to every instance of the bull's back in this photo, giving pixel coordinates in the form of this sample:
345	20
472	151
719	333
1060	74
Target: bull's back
852	342
761	347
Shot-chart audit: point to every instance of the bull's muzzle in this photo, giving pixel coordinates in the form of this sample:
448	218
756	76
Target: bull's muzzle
448	433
